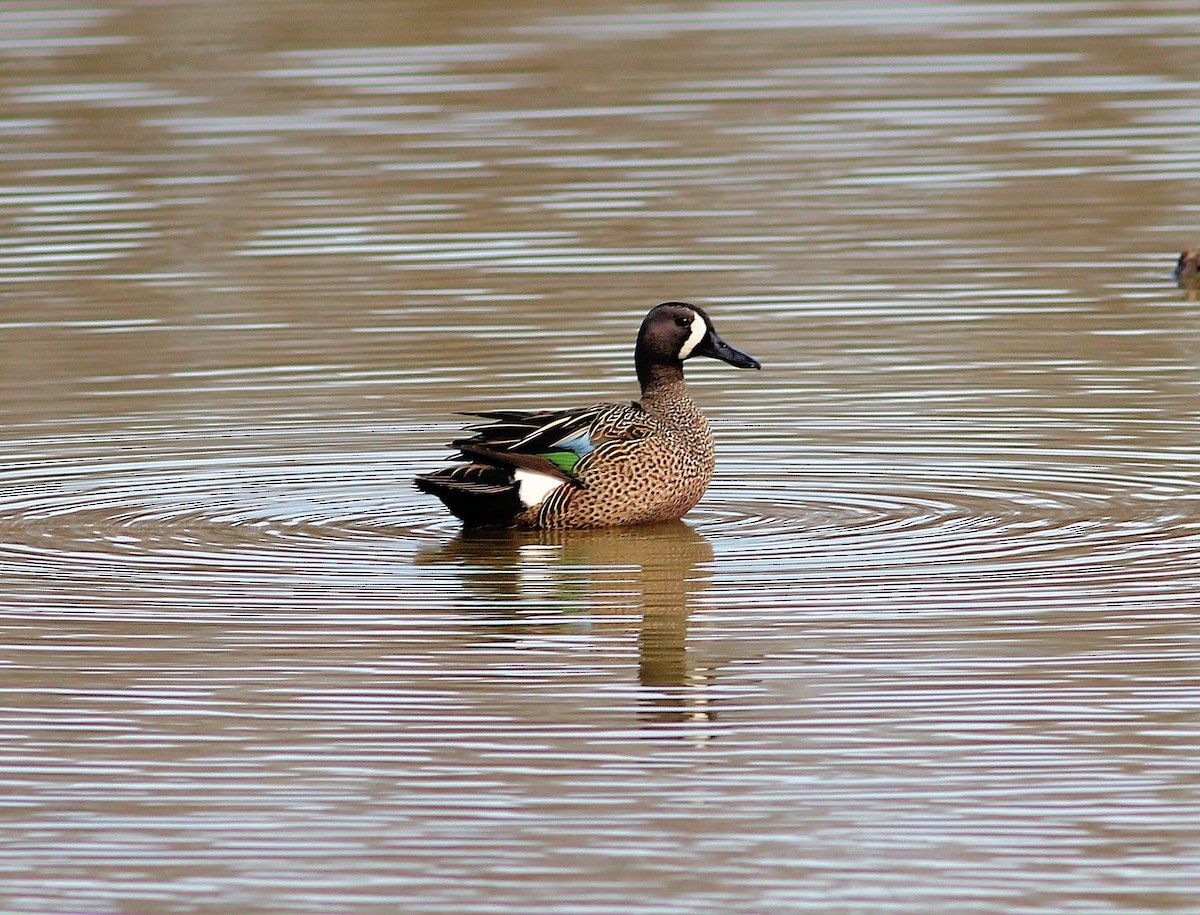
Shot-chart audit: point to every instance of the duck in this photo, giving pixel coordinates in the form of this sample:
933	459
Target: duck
1187	273
604	465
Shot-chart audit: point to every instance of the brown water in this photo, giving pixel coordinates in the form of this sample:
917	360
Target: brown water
930	643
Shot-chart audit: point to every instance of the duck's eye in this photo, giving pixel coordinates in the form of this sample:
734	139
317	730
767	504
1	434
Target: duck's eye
683	322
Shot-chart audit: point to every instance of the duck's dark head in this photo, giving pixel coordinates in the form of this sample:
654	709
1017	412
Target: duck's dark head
675	331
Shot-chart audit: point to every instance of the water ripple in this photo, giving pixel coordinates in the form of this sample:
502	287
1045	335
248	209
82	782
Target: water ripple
290	516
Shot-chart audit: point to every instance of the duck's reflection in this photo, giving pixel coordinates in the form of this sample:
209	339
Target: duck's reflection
653	572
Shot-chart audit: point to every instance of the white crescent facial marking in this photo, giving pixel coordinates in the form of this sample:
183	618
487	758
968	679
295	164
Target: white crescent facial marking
699	331
533	487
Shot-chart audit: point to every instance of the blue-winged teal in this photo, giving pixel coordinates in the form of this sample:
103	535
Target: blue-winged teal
602	465
1187	274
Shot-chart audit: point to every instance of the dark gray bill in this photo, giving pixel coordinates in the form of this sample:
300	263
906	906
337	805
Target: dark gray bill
716	348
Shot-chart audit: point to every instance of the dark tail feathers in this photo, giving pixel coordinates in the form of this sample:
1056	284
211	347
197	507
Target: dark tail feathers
480	495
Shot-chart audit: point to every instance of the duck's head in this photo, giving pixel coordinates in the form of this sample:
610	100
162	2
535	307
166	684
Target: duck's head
675	331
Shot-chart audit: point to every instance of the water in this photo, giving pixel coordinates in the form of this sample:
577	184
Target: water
929	644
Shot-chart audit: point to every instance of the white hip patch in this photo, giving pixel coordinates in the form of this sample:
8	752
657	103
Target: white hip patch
534	487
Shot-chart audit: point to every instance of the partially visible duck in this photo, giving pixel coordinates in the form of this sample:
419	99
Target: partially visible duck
598	466
1187	275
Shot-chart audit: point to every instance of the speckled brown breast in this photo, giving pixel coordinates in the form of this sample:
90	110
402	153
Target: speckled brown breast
653	464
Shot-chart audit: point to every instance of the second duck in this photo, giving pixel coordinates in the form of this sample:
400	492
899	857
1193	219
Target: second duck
1187	273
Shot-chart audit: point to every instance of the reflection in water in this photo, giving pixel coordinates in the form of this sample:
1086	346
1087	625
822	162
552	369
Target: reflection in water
654	572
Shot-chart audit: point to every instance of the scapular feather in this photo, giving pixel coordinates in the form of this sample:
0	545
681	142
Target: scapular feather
538	463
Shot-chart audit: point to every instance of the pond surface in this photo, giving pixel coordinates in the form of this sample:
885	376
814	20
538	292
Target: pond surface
929	644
